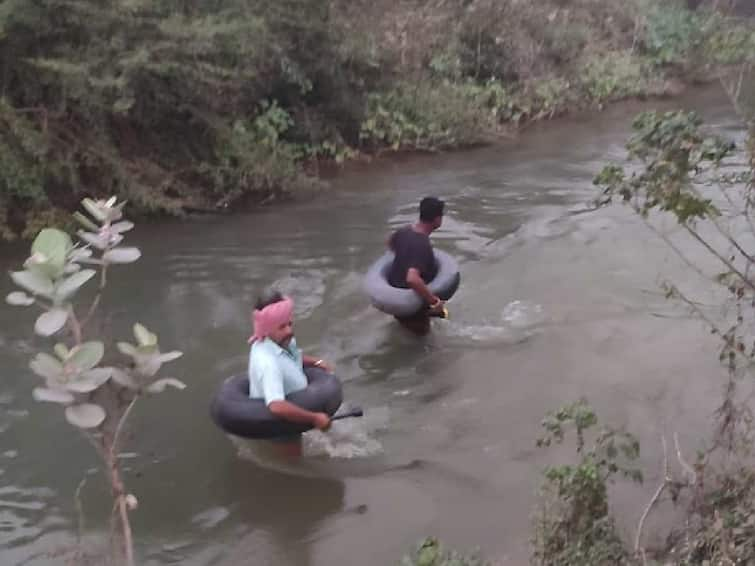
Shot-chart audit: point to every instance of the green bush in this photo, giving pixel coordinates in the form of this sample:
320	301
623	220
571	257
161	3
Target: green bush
573	526
430	552
672	33
612	75
424	116
728	43
163	103
253	157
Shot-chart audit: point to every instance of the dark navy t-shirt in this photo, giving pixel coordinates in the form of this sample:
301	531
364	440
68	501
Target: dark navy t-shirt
412	249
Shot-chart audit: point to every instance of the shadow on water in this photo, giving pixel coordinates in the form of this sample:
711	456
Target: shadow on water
245	511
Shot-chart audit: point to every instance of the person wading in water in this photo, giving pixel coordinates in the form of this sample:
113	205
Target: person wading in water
414	264
276	369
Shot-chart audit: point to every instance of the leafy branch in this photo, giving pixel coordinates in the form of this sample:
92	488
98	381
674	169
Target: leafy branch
97	398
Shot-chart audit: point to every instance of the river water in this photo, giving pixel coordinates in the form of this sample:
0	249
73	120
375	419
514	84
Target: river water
556	302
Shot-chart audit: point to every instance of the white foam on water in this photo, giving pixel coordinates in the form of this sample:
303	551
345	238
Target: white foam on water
211	518
523	314
332	445
519	321
350	438
485	333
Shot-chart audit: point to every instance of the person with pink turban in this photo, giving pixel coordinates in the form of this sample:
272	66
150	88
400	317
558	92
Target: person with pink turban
276	367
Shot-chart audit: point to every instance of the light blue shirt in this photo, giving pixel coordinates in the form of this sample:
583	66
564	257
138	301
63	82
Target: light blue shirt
274	372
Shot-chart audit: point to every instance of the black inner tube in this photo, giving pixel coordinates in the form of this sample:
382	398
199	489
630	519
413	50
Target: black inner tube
235	413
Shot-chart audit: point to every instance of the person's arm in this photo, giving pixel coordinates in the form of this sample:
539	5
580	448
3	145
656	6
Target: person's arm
272	385
312	361
415	281
290	412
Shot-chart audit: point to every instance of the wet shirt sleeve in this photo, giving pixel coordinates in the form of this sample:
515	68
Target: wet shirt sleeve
269	378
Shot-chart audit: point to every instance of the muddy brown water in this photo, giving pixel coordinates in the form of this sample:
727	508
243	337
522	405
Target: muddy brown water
556	302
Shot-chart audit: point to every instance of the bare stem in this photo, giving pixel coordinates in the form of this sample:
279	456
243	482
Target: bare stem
119	428
80	508
113	523
688	470
98	297
73	322
121	506
720	257
128	541
734	93
697	311
725	233
638	550
674	248
744	213
119	492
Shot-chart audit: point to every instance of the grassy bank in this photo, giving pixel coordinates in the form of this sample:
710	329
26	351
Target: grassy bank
178	105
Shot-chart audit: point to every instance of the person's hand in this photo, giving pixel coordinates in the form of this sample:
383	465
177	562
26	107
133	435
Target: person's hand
321	421
322	364
437	307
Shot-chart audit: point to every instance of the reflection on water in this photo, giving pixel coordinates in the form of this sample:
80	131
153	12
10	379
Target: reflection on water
557	301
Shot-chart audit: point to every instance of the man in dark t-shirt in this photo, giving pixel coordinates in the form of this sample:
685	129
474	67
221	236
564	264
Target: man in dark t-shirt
414	264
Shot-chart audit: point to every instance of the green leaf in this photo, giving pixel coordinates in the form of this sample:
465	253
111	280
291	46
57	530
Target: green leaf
35	283
86	415
50	322
128	349
85	222
148	365
51	395
143	336
170	356
123	226
61	350
94	209
90	380
122	255
44	365
19	298
54	245
160	385
124	379
95	240
80	254
71	284
86	355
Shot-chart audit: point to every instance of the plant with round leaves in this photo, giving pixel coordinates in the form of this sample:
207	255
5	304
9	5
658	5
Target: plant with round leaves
97	399
147	361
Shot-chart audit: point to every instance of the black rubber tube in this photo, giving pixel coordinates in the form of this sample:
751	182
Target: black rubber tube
234	412
405	302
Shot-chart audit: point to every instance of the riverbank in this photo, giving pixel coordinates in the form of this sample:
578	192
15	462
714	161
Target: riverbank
201	109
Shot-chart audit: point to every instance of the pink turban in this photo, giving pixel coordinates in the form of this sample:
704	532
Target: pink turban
270	318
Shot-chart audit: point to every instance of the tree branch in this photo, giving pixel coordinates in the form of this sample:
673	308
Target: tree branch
100	291
721	230
80	508
674	248
73	322
119	428
721	258
688	470
638	551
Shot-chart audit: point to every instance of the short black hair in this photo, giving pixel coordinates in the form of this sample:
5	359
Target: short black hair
268	297
430	208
